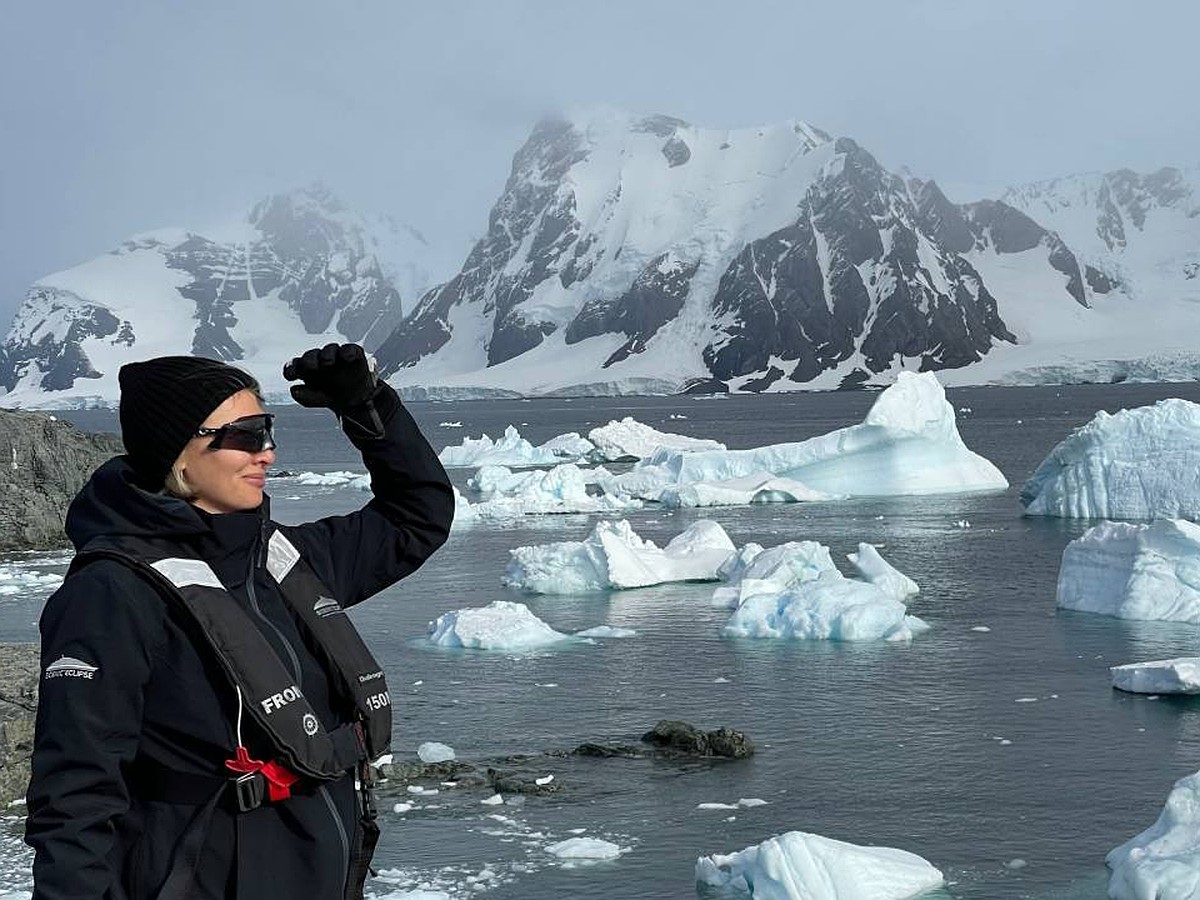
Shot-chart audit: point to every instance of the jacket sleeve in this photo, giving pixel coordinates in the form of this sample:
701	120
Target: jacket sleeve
408	518
100	633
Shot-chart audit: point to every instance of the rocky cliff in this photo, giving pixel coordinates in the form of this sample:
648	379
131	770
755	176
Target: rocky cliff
44	461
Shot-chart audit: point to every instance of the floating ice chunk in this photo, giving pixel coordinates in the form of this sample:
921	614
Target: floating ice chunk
1134	571
908	444
757	571
17	579
1135	464
631	439
800	865
334	479
744	803
759	487
494	800
501	625
614	557
510	450
606	631
449	424
564	489
545	779
585	848
433	752
875	569
569	446
795	591
1163	676
1164	860
831	607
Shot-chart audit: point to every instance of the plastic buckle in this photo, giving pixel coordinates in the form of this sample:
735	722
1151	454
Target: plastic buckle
250	790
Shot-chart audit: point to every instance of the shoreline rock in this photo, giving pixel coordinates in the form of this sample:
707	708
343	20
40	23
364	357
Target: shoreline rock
44	461
20	674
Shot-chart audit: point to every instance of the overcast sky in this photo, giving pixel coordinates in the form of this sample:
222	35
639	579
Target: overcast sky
120	117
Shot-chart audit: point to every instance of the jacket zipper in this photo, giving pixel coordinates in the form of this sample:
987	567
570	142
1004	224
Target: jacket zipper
323	790
291	652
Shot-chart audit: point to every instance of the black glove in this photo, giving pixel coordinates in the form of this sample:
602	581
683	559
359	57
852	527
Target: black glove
337	376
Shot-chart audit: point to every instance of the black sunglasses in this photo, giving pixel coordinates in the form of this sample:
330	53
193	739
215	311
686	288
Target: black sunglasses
250	434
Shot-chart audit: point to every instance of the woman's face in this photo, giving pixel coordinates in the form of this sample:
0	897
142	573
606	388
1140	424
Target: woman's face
226	480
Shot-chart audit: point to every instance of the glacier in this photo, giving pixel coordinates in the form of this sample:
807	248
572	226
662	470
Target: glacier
1140	463
1134	571
802	865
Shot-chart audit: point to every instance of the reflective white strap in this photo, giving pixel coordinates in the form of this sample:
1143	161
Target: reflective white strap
185	572
281	556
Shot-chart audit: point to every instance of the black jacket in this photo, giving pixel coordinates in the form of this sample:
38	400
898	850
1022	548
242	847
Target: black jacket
156	702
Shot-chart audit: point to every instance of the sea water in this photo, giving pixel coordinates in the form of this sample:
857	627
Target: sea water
992	745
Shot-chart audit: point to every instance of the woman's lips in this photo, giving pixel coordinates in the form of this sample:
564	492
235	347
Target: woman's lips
257	480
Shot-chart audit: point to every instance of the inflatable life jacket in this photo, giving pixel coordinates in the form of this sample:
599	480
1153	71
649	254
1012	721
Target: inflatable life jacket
265	688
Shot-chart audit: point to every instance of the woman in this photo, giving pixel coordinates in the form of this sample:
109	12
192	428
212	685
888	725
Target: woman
206	706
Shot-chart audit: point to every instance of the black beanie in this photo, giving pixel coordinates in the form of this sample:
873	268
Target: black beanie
164	401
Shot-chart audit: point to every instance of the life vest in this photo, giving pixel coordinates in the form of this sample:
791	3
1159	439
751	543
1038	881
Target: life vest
266	689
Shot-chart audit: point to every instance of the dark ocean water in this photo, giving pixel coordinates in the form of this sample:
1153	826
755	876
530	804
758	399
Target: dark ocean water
1002	756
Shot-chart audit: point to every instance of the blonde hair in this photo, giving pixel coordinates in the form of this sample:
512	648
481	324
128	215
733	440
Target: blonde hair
177	485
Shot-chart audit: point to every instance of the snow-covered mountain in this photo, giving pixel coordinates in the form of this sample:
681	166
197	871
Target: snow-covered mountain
297	271
1141	231
646	255
641	254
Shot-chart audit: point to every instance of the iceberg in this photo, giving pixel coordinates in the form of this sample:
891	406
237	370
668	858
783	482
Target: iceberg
1141	463
1134	571
907	444
510	450
760	487
795	591
501	625
631	439
800	865
1162	676
564	489
613	557
1164	860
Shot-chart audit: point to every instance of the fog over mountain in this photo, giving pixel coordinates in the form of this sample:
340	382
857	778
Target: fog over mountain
125	117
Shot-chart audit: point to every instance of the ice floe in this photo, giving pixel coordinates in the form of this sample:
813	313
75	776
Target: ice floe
760	487
585	850
1162	676
1134	571
1164	860
1140	463
801	865
20	579
613	557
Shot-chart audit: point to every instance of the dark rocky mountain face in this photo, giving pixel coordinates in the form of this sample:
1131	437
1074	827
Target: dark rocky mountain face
529	208
308	252
872	268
